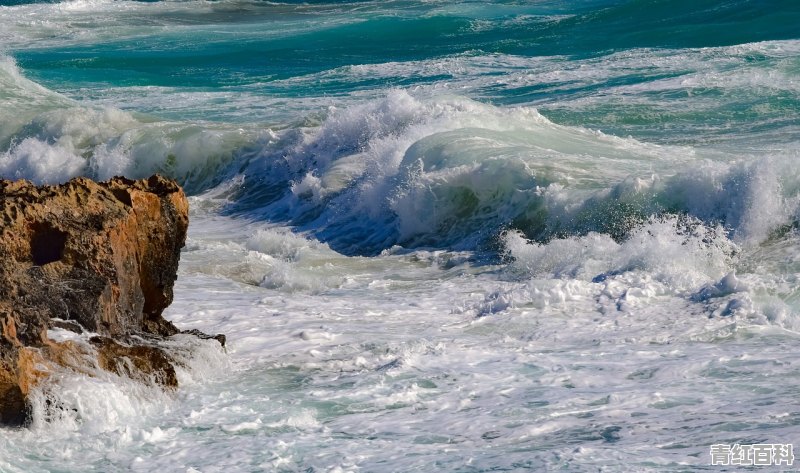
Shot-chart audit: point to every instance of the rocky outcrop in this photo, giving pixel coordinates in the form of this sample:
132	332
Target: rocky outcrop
86	256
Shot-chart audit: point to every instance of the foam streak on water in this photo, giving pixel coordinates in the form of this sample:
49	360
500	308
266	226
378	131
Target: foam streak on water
439	236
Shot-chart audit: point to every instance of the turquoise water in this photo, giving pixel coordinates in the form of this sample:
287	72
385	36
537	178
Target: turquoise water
440	236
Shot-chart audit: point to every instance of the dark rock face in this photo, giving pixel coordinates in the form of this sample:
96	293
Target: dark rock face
12	404
86	256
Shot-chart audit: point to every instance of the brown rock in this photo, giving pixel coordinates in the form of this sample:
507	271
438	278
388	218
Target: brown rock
145	363
102	254
12	401
101	257
220	338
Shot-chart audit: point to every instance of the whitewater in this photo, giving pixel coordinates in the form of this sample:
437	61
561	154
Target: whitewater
439	236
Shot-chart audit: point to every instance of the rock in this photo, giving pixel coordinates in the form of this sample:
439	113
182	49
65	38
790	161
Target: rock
145	363
86	256
13	410
204	336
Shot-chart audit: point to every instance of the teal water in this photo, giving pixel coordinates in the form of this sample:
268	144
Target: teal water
440	235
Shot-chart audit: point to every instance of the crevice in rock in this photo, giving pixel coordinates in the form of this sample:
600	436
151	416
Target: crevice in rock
13	408
123	196
47	244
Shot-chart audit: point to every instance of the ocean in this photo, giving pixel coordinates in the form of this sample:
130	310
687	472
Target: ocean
451	236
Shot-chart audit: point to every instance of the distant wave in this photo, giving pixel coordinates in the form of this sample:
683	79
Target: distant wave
451	172
441	171
48	138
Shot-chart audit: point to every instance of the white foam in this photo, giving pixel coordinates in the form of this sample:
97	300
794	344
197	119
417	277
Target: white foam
52	138
679	255
446	170
22	99
442	167
59	144
751	199
41	162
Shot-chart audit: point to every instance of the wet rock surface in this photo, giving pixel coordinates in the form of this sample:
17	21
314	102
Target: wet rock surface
88	257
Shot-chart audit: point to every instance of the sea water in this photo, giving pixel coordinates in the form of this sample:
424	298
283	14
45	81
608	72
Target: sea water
439	236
